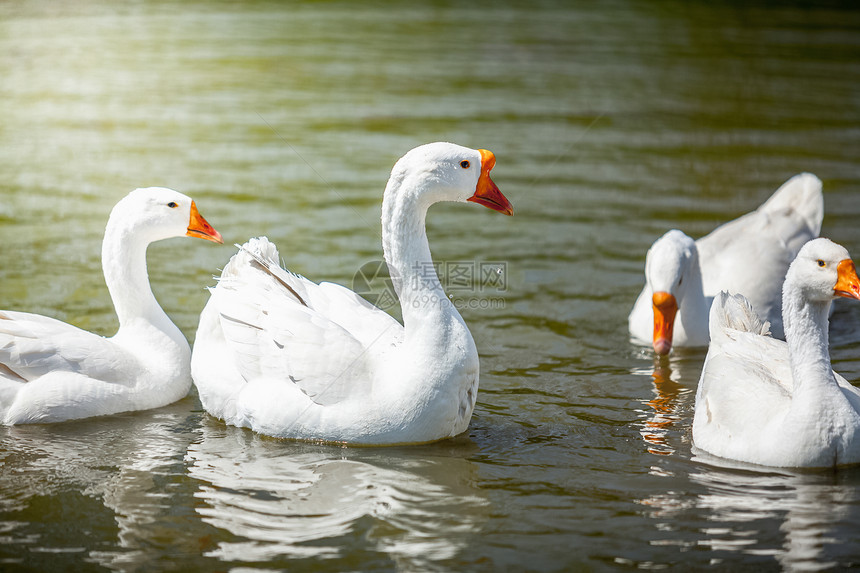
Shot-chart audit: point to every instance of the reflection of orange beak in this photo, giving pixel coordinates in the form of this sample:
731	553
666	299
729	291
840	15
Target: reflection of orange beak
486	192
198	227
665	308
847	283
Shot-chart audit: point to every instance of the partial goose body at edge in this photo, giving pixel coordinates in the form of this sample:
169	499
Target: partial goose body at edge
768	402
51	371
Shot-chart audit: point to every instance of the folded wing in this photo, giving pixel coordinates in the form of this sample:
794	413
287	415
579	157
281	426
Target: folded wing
322	338
32	346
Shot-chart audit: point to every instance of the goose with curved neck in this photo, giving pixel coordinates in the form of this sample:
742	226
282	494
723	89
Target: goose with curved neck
408	196
51	371
775	403
290	358
127	279
404	239
749	256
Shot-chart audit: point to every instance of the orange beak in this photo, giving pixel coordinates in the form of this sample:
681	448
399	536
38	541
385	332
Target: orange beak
665	308
847	283
198	227
486	192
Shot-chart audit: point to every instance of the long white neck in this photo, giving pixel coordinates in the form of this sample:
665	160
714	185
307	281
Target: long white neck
407	252
806	332
124	266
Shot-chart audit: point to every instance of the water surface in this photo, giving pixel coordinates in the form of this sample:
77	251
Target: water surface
611	123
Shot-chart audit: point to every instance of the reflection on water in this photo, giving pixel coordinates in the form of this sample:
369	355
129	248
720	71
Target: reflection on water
810	507
303	501
739	514
107	478
738	504
671	394
133	493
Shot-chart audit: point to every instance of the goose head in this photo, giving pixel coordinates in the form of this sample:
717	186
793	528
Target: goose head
447	172
668	266
156	213
823	271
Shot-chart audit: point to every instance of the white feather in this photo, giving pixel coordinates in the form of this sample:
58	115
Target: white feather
51	371
774	403
749	256
287	357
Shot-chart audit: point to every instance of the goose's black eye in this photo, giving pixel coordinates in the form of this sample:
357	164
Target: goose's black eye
464	164
821	263
172	205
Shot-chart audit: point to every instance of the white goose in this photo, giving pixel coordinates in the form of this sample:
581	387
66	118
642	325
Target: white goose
774	403
748	255
289	358
51	371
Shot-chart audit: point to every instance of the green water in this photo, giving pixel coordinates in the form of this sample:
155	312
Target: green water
611	123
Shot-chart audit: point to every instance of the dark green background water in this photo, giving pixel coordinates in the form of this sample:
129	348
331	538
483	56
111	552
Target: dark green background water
611	123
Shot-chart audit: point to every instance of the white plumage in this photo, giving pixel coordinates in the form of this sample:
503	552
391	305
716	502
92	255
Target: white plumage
287	357
748	256
51	371
775	403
